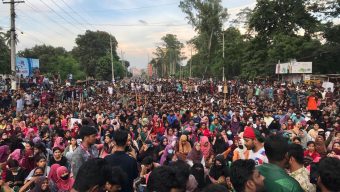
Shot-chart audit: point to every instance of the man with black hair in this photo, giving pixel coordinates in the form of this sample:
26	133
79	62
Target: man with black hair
87	150
276	178
123	160
329	174
296	168
245	177
253	140
92	176
164	179
116	181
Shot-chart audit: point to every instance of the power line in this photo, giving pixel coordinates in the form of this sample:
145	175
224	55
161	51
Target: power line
124	9
39	22
59	15
54	21
85	20
76	21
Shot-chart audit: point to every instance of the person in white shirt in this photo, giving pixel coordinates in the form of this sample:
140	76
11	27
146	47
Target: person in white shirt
254	142
28	98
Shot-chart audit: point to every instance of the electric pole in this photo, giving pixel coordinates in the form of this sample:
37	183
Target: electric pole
13	38
190	61
113	74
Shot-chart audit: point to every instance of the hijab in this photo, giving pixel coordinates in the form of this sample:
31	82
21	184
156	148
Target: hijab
217	171
168	150
194	155
63	184
53	173
205	149
59	143
186	147
4	153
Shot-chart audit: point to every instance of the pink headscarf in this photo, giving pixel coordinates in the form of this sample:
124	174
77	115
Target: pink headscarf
53	173
205	149
64	184
58	143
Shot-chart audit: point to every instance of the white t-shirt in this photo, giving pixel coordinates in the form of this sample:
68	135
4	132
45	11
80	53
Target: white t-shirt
219	88
28	99
259	157
110	90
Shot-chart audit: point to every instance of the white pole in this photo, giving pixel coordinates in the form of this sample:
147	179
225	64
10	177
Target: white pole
113	75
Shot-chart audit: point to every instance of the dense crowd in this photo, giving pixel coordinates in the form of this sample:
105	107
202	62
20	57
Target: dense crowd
169	135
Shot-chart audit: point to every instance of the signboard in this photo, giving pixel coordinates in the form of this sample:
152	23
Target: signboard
302	67
26	66
294	68
283	68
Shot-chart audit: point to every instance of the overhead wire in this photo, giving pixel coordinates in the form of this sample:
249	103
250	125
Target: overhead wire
81	17
38	22
62	9
67	21
50	18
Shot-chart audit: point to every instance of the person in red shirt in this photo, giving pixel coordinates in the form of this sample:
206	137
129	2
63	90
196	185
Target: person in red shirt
43	98
311	152
158	128
204	130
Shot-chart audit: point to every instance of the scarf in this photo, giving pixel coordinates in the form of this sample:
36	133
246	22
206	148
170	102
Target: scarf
205	149
64	184
53	173
194	155
186	147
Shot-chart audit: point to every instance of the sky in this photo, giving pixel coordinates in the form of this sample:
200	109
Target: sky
138	25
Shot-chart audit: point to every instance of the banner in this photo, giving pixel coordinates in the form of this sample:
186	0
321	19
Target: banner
26	66
294	68
302	67
283	68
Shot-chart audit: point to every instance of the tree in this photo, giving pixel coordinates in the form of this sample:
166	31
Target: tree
47	55
272	17
54	60
104	69
5	62
168	56
91	47
207	18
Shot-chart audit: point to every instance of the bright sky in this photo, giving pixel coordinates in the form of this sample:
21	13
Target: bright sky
138	25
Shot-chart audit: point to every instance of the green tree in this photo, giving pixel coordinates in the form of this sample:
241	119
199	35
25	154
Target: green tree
207	18
168	56
91	47
104	69
272	17
5	62
54	60
47	55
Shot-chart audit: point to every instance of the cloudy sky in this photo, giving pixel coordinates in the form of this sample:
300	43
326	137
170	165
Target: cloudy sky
138	25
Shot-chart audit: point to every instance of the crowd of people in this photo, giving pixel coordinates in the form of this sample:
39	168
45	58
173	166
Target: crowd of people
170	135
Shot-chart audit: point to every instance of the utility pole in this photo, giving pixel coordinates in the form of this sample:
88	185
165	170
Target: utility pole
190	61
113	74
13	38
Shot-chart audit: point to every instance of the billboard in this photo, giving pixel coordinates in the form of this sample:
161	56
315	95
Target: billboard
26	66
302	67
294	67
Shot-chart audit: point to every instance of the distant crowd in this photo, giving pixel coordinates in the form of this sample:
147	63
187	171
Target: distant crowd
169	135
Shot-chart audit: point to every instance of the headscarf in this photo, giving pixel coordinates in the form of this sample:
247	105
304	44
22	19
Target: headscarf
4	153
205	149
320	146
167	149
194	155
217	171
64	184
58	143
53	173
186	147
